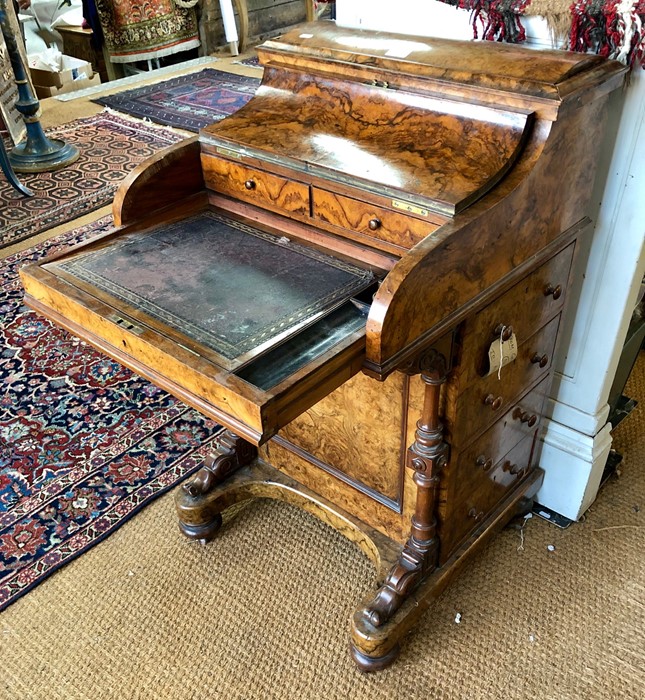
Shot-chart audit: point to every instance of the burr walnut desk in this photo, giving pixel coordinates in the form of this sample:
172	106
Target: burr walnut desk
361	275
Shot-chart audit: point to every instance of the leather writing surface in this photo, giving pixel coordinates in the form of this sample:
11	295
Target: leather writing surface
225	284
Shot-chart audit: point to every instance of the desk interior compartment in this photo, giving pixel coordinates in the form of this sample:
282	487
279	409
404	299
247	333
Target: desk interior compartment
244	323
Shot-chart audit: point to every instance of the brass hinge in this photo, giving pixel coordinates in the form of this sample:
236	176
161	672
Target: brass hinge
125	324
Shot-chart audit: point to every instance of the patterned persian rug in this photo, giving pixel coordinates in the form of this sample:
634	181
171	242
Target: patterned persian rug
84	444
138	30
189	101
252	61
110	146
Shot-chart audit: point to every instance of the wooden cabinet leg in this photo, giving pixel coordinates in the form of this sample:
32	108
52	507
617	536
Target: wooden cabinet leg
427	456
198	518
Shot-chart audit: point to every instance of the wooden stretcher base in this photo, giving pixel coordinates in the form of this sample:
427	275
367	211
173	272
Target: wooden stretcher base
235	475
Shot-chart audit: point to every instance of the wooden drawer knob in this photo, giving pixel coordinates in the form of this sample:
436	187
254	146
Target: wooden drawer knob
542	360
250	184
505	331
551	291
484	463
494	402
525	417
476	514
374	224
512	468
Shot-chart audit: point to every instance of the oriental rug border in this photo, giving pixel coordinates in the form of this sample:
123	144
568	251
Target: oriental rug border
189	101
84	443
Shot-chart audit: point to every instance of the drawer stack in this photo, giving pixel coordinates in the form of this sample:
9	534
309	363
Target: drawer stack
388	225
492	419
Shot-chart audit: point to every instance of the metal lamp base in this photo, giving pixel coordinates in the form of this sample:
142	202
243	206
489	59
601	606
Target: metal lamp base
52	155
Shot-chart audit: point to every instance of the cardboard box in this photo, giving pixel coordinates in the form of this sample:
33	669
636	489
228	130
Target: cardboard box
43	91
70	71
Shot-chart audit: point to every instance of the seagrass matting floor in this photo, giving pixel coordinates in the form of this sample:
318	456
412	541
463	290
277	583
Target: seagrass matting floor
262	612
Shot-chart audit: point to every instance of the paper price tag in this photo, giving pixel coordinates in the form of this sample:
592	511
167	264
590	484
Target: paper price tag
501	353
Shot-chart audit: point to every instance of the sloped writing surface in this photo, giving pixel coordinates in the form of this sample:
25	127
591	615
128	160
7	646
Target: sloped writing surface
439	154
226	285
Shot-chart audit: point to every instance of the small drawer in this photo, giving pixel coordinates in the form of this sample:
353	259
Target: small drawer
480	488
366	219
513	427
486	399
524	308
264	189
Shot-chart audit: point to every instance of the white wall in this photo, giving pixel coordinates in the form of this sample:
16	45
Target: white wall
610	267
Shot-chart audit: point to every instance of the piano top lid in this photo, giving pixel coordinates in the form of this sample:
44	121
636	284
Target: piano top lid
430	122
522	70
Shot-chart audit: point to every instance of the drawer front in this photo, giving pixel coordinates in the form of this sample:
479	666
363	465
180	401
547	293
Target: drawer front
489	449
481	488
489	397
525	308
256	186
366	219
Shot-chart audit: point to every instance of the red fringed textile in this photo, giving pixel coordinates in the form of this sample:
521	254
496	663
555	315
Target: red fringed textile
611	28
500	19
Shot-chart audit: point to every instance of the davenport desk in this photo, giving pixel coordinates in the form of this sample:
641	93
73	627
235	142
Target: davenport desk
360	275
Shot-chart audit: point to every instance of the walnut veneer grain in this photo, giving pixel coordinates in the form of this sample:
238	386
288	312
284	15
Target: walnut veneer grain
458	174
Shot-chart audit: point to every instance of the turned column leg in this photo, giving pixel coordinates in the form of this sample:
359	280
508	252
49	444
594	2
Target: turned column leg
198	518
427	456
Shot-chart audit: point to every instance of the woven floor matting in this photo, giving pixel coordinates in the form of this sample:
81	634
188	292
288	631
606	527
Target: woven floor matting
262	612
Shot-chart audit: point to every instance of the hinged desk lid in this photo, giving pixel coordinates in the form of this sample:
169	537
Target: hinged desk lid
240	322
229	291
434	153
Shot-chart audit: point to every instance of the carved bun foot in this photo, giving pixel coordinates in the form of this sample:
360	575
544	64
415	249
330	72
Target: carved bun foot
369	664
198	501
204	532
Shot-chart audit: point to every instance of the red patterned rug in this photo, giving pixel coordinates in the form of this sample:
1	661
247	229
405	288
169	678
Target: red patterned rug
189	101
610	28
110	147
84	443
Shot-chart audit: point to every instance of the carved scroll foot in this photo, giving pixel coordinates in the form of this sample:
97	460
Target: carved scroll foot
374	646
402	579
426	457
199	517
